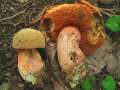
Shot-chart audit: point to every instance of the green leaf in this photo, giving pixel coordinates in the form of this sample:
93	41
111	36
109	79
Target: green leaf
113	23
86	84
109	83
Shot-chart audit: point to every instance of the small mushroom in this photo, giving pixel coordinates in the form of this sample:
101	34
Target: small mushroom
30	64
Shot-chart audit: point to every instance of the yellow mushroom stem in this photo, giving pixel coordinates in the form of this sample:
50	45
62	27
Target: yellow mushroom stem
30	65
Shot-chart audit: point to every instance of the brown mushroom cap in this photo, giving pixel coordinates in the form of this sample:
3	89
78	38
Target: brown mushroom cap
77	15
28	38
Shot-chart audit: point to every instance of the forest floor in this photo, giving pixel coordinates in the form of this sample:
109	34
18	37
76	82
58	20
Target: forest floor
18	14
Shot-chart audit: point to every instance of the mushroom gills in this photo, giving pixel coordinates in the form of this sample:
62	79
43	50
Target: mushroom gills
30	65
70	56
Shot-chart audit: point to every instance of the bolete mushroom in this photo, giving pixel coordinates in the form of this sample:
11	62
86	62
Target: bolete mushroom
83	16
78	31
30	64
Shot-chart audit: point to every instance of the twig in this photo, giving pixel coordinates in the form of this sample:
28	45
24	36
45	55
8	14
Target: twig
12	16
112	11
108	9
106	13
39	17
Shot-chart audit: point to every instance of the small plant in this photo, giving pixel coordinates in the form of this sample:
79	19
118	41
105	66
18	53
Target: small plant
113	23
87	83
109	83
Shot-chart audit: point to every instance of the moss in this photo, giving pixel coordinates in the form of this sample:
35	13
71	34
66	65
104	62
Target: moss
78	74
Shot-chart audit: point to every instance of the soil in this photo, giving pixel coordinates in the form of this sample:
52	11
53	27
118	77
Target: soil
18	14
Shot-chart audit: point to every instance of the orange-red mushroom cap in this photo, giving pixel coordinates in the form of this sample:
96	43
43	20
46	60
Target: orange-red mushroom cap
77	15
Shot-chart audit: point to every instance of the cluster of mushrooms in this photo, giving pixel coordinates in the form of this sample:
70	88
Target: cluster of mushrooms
74	30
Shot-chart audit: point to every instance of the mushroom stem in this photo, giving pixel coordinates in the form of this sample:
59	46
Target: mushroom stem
29	64
70	56
69	53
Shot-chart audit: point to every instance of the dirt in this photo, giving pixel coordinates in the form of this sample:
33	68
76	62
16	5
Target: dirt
15	15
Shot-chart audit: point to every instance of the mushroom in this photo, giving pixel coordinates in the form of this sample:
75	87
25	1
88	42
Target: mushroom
78	31
30	64
81	15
